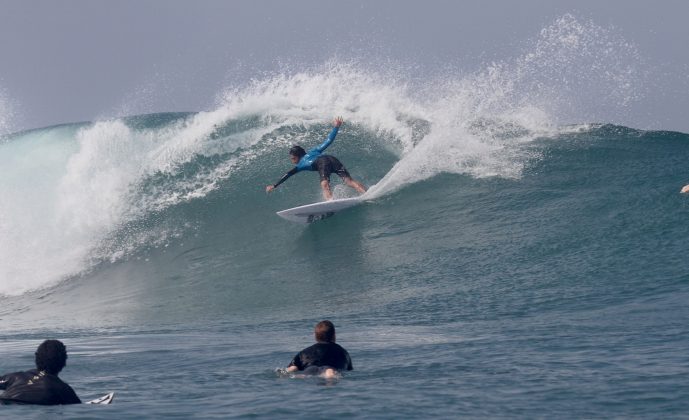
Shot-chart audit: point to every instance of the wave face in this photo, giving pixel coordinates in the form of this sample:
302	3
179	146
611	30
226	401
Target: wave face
539	262
80	194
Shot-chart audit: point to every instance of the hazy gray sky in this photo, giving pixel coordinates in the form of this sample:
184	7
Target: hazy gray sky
76	60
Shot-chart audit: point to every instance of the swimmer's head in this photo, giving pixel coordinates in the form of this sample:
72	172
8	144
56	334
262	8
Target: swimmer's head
296	153
51	356
325	332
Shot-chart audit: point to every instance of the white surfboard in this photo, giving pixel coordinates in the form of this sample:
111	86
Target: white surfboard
105	399
317	211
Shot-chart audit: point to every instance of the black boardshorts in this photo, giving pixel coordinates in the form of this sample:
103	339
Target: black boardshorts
327	165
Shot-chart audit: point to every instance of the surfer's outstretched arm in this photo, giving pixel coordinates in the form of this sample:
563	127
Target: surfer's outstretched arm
331	137
270	188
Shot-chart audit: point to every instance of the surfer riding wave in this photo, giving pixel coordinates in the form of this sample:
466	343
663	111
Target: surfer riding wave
315	160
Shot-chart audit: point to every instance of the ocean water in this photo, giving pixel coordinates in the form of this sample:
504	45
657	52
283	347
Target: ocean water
514	257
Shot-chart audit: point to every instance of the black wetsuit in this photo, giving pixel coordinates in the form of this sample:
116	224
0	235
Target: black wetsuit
323	355
326	165
36	387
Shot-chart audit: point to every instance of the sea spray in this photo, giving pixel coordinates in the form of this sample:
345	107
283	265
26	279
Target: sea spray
7	114
478	122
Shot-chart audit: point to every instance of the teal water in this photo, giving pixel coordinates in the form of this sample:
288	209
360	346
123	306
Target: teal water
560	293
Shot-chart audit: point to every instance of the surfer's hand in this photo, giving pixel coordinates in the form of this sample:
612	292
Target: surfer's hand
338	121
685	189
269	188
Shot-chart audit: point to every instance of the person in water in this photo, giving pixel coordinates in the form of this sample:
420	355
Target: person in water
685	189
323	358
315	160
40	385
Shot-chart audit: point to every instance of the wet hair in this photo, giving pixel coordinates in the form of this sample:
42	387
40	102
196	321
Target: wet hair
297	151
51	356
325	331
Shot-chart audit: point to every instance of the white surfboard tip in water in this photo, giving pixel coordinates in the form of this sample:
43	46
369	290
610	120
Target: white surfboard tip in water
105	399
310	213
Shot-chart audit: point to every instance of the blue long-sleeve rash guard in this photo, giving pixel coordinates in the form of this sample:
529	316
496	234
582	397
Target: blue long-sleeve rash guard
306	161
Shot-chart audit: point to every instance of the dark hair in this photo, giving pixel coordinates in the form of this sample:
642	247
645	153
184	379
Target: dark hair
325	331
297	151
51	356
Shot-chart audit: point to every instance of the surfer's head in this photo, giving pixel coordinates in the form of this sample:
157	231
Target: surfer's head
51	356
296	153
325	332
